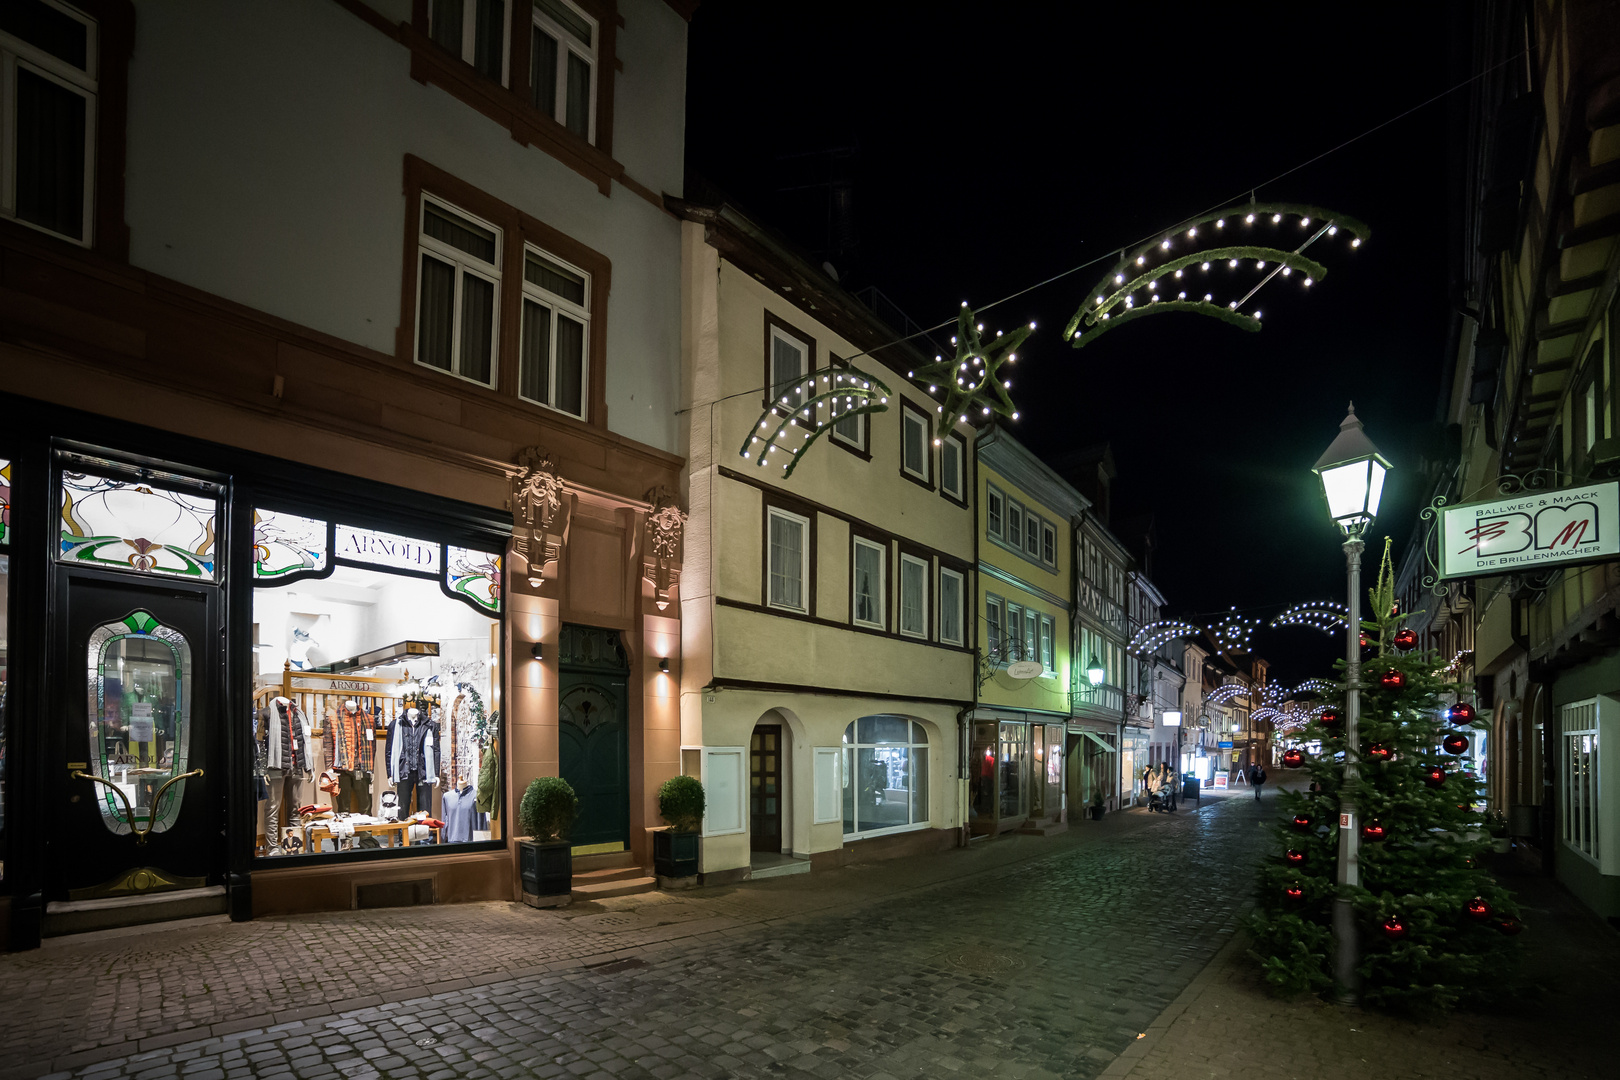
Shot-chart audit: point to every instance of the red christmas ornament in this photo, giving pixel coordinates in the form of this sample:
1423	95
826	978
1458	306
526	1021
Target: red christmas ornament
1509	926
1478	908
1330	719
1379	752
1394	928
1363	641
1434	776
1293	759
1405	639
1373	831
1462	714
1295	858
1392	679
1294	892
1302	822
1456	744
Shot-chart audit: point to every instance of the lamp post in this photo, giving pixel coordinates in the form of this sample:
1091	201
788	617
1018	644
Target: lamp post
1172	718
1352	474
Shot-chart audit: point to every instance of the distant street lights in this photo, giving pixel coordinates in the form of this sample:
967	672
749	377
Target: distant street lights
1352	474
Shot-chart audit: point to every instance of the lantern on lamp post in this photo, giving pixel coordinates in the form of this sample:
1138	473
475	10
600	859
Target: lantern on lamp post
1352	473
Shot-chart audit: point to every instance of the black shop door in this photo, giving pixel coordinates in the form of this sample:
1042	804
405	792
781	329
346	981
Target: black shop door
593	736
134	804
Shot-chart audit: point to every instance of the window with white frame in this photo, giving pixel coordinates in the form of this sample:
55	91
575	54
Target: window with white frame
950	466
1015	633
1032	536
993	628
789	560
913	443
474	30
867	602
1048	646
562	65
1015	524
848	426
458	282
885	777
913	596
48	59
1032	623
994	509
790	363
553	363
1048	544
950	606
1579	727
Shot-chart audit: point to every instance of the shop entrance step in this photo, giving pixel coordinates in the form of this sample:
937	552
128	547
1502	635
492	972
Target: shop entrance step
622	881
1043	827
613	860
107	913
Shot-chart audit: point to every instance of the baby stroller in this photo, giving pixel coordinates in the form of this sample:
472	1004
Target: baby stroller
1160	788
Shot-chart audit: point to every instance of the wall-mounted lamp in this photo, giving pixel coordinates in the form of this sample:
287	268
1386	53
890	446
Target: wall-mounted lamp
537	651
663	663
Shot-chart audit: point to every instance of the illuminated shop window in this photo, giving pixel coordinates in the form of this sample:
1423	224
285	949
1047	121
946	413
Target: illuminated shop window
885	776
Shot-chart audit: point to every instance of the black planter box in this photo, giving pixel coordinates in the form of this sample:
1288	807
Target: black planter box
547	867
675	855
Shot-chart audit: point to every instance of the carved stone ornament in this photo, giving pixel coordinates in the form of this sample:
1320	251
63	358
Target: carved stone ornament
540	517
666	522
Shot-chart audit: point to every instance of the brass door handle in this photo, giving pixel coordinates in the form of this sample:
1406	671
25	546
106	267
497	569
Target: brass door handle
139	833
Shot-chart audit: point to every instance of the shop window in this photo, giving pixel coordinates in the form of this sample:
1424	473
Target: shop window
951	457
136	525
913	442
475	31
869	584
458	290
140	722
48	114
992	627
375	689
913	596
994	508
950	606
1014	764
1580	777
787	560
556	333
563	65
885	778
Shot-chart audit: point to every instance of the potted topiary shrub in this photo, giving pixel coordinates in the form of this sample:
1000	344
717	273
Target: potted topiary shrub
675	849
1097	805
1496	824
545	864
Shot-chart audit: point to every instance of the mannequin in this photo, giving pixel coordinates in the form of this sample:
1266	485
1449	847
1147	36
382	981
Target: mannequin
348	750
282	732
413	763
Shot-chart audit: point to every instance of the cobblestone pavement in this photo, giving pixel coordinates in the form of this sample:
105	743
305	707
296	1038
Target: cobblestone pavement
1028	957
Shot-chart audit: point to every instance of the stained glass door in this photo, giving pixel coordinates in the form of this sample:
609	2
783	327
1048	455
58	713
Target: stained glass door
133	692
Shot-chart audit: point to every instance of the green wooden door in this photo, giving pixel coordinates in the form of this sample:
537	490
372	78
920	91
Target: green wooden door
593	734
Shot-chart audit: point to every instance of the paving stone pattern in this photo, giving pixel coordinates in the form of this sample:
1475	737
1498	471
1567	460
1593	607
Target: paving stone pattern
1044	967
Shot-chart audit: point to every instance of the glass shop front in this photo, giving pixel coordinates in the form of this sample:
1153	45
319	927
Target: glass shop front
270	666
1016	773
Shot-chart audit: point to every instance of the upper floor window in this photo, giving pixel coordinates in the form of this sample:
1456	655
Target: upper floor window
992	627
48	57
789	559
994	507
950	466
913	442
474	30
848	426
870	588
1048	659
1015	524
1032	536
457	288
786	366
552	368
1048	544
913	596
1015	633
562	65
950	606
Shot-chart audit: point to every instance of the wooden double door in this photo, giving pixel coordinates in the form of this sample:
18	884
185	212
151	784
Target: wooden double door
593	733
765	789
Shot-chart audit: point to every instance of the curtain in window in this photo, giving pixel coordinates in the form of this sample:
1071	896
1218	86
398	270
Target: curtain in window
787	368
911	597
1015	633
1046	645
868	573
950	608
992	628
950	467
914	445
993	514
435	313
543	71
570	365
579	97
846	426
445	26
787	562
50	154
488	35
459	233
534	365
477	327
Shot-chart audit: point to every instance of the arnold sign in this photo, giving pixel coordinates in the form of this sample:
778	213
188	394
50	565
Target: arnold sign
1530	531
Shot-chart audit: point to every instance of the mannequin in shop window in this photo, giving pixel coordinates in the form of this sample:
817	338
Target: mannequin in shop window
283	735
413	763
348	743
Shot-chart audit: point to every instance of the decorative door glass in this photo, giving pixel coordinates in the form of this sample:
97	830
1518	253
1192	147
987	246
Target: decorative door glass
140	719
127	525
5	502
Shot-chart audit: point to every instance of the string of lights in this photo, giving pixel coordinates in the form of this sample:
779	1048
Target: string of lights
1323	615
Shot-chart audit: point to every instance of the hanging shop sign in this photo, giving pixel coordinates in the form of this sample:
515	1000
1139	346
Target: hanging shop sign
1531	530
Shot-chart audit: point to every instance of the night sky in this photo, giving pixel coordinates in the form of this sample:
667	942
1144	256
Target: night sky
988	147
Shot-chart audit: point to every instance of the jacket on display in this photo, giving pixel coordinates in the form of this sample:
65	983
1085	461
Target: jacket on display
413	747
285	735
346	745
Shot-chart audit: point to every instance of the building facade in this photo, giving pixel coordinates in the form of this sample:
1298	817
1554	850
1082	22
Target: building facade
1020	741
1099	718
828	644
344	463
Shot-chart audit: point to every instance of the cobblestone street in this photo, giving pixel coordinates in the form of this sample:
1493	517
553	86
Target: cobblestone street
1056	953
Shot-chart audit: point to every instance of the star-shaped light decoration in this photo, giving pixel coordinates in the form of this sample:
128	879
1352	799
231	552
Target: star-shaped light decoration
972	382
804	411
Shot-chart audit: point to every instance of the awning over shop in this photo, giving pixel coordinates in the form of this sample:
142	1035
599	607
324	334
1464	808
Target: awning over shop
1099	740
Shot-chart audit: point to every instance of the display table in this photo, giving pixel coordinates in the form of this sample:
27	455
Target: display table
316	831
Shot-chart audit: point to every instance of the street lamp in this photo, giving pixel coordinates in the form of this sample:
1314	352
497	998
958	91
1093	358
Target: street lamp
1095	672
1352	474
1172	718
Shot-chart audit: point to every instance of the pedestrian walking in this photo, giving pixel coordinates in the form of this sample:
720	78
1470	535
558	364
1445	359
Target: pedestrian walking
1257	780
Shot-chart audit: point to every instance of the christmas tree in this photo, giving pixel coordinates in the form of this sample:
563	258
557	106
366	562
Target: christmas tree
1435	928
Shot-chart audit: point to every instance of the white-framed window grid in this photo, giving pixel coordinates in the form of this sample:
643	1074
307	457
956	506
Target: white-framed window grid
790	366
564	42
847	429
951	459
788	560
1048	544
870	590
994	624
1048	646
952	588
1014	635
563	389
913	596
1015	525
26	62
914	453
855	785
465	265
1579	727
995	508
478	31
1032	536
